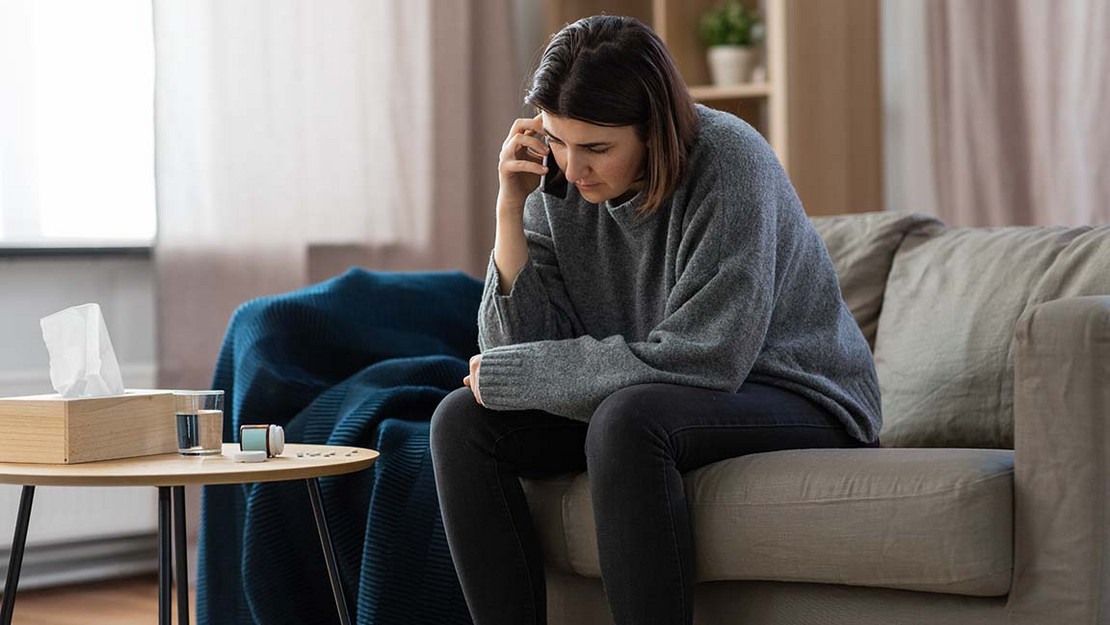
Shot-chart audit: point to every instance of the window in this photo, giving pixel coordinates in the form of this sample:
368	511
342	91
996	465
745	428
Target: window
76	123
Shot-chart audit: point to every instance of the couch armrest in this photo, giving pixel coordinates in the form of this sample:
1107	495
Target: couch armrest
1062	463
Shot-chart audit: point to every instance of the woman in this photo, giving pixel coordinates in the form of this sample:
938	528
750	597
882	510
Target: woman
675	309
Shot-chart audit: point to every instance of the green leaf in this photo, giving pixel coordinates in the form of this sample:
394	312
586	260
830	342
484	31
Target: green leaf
731	23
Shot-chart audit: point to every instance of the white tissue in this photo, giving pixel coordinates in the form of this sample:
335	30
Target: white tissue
82	361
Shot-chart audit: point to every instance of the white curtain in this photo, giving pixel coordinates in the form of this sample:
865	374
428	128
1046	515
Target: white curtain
995	112
288	123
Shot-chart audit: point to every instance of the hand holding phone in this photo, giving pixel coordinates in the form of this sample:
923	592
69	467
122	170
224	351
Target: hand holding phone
521	165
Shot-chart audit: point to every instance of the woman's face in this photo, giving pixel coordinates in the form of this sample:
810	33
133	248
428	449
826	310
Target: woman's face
604	162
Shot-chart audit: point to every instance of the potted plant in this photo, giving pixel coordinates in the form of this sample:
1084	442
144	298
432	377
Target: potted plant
732	32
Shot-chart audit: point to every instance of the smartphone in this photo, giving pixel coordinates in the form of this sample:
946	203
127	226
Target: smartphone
553	182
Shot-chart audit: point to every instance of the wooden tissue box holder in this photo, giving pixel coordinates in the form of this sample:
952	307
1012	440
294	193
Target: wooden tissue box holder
49	429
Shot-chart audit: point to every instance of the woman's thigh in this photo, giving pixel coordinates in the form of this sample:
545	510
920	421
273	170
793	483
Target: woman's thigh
697	426
531	443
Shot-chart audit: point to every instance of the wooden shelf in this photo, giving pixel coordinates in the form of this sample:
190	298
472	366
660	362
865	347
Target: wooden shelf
762	104
705	93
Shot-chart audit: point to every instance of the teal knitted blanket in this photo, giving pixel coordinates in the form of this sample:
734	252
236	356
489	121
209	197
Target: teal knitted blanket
362	359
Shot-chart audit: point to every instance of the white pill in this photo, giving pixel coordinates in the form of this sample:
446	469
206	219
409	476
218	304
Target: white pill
250	456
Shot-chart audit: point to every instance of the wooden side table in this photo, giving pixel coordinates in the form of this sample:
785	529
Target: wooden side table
170	473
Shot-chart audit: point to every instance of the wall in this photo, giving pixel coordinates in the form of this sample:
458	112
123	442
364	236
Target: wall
68	525
909	182
530	38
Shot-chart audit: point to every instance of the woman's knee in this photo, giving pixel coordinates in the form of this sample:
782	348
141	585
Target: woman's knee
453	420
626	420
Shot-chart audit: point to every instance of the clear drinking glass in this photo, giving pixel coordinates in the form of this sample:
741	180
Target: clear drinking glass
200	422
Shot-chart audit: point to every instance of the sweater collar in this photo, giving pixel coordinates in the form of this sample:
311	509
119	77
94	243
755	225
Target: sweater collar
625	213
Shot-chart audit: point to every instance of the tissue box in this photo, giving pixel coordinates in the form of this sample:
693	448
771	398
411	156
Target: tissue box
49	429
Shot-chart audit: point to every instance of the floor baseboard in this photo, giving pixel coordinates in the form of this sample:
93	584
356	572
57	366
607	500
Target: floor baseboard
83	561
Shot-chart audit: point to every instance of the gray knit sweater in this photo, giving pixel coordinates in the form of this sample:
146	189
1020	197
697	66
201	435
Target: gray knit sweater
728	281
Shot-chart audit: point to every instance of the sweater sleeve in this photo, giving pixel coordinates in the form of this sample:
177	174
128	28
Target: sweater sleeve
537	306
715	321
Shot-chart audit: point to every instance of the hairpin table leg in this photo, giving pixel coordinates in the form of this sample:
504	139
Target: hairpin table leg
181	555
165	588
16	560
329	550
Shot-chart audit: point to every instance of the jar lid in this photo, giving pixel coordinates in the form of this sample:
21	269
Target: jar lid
277	440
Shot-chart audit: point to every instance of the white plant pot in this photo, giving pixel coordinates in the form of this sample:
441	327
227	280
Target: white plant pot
732	65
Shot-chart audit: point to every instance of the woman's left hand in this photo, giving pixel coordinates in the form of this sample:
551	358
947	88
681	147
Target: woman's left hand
472	379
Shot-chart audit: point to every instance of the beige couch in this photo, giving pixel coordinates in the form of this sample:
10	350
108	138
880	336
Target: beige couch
989	501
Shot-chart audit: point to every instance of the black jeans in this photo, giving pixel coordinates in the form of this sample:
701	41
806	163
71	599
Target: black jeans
635	448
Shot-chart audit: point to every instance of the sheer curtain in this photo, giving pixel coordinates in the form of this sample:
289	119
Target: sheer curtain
996	111
287	123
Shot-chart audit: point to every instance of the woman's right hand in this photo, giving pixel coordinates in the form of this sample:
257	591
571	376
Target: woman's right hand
519	167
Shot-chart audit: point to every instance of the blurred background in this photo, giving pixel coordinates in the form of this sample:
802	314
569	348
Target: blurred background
173	159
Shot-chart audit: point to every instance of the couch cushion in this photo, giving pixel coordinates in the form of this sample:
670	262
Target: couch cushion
938	520
862	249
944	347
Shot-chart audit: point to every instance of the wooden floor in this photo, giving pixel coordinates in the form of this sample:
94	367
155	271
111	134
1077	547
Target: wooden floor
131	601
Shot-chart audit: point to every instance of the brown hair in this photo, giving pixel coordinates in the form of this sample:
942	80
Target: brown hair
614	71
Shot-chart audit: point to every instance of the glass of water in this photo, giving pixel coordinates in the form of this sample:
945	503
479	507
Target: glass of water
200	422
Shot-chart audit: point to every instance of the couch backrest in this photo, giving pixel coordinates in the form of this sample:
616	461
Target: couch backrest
938	306
862	248
945	337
